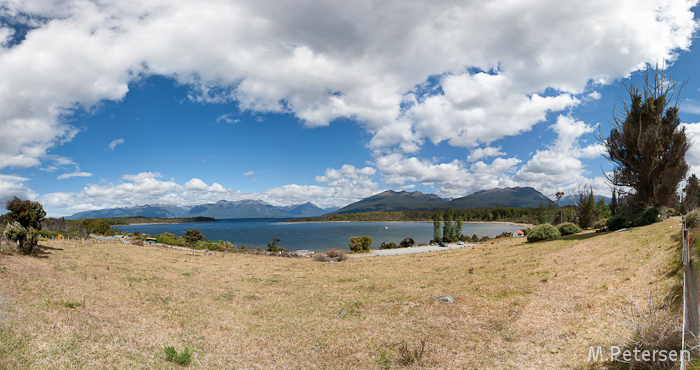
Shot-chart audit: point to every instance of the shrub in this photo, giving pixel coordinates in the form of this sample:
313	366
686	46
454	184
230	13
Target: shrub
617	222
388	245
331	255
635	218
646	328
407	243
600	224
360	243
543	232
568	228
244	248
647	216
321	257
182	358
692	219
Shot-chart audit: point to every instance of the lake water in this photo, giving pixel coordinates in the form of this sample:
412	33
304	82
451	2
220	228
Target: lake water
313	235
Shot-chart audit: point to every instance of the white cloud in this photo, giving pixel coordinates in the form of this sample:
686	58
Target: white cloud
693	154
488	151
73	174
364	60
454	179
13	185
339	187
249	173
228	118
559	166
114	144
199	186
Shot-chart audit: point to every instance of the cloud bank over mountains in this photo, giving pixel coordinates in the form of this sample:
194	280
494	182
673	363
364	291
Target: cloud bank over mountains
462	73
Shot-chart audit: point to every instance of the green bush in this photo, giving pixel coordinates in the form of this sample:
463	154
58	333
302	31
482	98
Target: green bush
600	224
692	219
182	358
388	245
543	232
568	228
635	218
646	216
617	222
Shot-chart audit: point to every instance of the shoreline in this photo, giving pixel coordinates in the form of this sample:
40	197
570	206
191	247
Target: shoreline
521	224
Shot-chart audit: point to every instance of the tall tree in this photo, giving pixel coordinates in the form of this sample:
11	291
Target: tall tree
437	235
691	194
585	207
647	143
447	228
559	195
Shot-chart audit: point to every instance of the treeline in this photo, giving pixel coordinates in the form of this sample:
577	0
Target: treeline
499	214
130	220
76	228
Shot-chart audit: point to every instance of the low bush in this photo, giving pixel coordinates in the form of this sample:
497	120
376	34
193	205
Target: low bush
635	218
600	224
543	232
617	222
332	255
321	257
692	219
388	245
568	228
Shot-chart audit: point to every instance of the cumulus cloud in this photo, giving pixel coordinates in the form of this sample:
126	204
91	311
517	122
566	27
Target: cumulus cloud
13	186
501	67
453	179
114	144
560	166
488	151
336	188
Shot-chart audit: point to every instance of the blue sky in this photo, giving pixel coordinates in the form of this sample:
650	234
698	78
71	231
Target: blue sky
118	103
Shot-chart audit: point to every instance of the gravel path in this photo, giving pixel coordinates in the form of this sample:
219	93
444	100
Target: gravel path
421	249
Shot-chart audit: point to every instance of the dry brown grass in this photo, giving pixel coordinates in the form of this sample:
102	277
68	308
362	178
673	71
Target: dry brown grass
519	305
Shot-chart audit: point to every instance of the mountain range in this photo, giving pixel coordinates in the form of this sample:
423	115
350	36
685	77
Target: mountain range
383	202
220	210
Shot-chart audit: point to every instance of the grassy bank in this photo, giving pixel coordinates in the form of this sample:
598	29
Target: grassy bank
518	305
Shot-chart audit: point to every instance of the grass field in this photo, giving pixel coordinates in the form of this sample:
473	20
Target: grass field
518	305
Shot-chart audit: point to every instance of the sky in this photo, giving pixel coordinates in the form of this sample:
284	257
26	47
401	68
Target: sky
131	102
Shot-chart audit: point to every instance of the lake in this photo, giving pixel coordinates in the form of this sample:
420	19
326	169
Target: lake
255	233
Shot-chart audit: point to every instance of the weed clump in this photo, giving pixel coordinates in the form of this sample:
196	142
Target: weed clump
568	228
334	255
182	358
410	357
654	328
542	232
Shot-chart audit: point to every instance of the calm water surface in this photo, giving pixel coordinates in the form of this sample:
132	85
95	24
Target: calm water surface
313	235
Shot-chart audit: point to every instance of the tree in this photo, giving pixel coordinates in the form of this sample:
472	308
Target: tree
559	195
437	217
193	236
360	243
458	228
691	194
447	228
24	222
647	143
272	245
585	207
